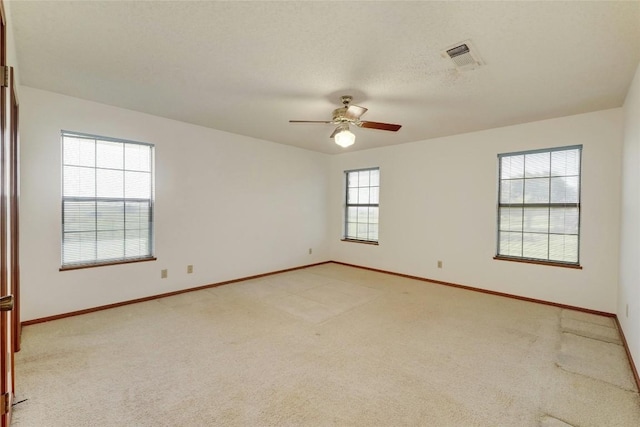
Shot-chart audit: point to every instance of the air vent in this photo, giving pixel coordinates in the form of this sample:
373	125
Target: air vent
464	55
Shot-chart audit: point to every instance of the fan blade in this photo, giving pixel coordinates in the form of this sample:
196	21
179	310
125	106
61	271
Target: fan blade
338	129
380	126
309	121
354	112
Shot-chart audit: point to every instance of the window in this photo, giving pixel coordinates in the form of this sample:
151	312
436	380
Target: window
361	215
539	205
107	200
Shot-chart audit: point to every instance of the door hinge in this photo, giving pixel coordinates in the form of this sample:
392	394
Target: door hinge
6	303
5	71
5	403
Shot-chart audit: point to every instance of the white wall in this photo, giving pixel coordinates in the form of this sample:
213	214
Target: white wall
629	290
230	205
438	202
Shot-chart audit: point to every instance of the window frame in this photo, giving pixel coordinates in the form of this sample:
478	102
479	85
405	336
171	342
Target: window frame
549	205
347	205
97	199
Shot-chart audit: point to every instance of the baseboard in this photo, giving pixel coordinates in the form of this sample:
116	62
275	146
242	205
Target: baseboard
634	370
168	294
484	291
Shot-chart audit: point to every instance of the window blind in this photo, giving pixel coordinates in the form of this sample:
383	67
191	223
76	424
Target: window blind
362	204
539	205
107	200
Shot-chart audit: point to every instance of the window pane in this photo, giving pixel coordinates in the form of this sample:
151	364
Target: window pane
110	183
374	195
363	215
536	190
565	163
563	248
573	162
374	178
136	243
137	157
536	220
109	155
537	165
511	219
352	179
373	215
110	245
512	167
110	216
352	214
137	216
79	216
510	244
79	182
565	189
535	245
363	231
363	194
79	152
564	220
352	196
137	185
352	230
363	179
78	247
373	232
512	191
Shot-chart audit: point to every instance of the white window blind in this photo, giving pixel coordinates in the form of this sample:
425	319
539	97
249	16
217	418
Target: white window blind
539	205
107	200
362	204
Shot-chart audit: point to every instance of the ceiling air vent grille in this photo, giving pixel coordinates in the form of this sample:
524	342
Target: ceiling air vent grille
464	55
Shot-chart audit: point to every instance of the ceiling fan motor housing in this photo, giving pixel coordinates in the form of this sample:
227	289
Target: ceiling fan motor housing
339	115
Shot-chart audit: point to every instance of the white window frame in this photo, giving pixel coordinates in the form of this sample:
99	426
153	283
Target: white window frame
136	237
370	206
562	226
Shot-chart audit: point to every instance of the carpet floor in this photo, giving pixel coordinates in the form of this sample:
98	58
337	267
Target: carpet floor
326	345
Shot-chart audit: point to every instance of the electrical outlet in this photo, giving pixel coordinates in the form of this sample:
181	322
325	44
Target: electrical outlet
439	264
164	273
189	269
310	251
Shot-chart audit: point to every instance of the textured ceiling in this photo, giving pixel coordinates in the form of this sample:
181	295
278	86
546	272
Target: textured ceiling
249	67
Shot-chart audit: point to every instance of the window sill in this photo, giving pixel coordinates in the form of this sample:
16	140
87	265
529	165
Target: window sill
365	242
103	264
539	262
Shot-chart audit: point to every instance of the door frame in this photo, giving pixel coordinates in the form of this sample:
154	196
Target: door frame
9	226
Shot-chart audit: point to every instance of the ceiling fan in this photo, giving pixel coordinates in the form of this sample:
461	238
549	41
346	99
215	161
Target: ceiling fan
349	114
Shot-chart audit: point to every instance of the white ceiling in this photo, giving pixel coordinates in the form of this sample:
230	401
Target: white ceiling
249	67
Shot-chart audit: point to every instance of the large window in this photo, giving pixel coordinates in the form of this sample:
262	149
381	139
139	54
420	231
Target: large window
362	204
539	205
107	200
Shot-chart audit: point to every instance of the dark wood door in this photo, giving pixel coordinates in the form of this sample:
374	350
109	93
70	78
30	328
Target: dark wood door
9	270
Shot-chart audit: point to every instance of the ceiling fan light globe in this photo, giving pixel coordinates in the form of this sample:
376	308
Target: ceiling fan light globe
345	138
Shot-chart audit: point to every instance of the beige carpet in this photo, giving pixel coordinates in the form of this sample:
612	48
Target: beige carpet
327	345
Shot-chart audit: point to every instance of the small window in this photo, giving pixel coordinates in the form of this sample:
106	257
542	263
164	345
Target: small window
107	200
539	205
362	204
